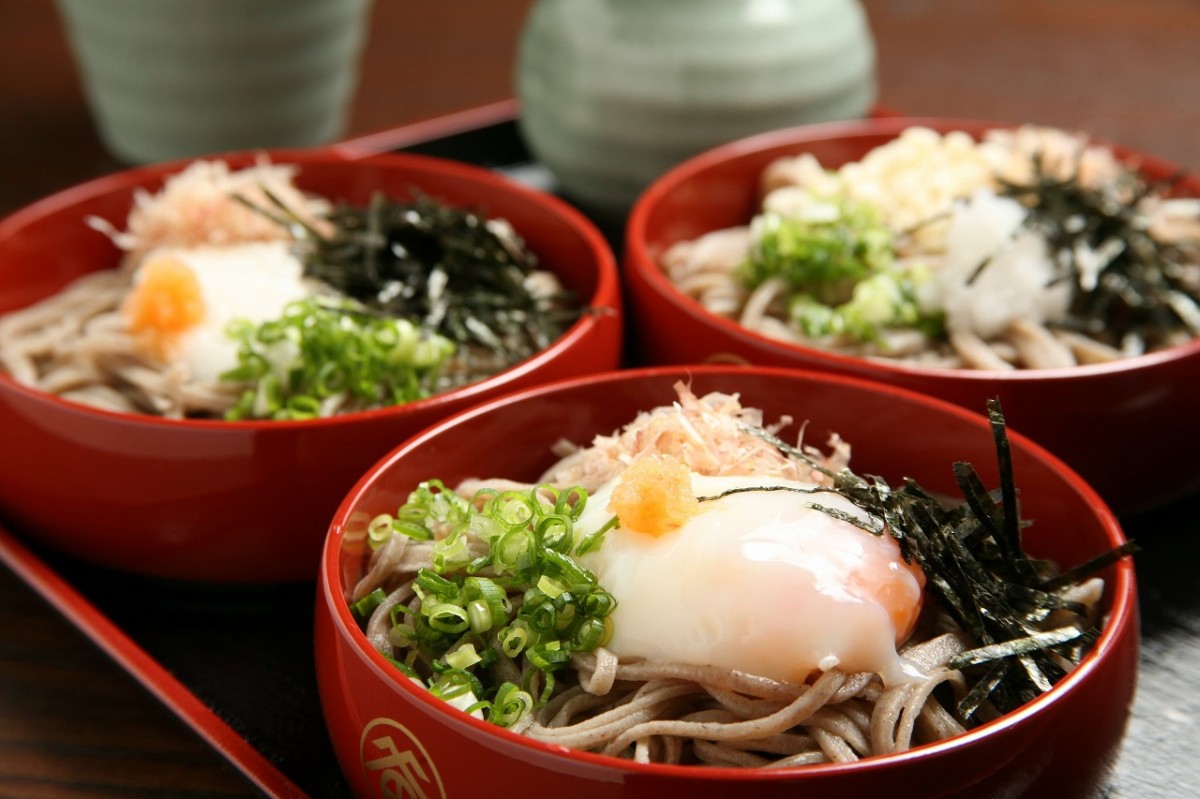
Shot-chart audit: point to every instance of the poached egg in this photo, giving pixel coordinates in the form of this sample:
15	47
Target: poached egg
756	580
183	300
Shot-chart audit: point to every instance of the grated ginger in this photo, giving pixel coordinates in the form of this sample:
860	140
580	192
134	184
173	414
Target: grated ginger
654	495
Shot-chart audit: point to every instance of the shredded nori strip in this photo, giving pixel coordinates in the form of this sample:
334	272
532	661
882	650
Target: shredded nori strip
976	567
1143	293
450	270
447	266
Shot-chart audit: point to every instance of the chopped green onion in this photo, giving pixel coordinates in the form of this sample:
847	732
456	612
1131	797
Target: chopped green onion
516	508
318	356
549	586
452	552
464	657
399	614
416	531
365	606
571	502
405	669
540	613
479	616
379	530
488	594
549	656
469	618
401	635
594	541
454	683
436	584
514	552
566	569
566	613
447	618
592	633
514	638
600	603
554	531
510	704
837	271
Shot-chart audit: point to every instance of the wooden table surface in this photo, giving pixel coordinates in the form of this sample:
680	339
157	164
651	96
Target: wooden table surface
73	724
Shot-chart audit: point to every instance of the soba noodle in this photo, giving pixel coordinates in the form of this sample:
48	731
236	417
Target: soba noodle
78	347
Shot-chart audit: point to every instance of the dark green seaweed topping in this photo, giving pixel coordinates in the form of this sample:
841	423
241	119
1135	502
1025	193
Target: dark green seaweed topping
1143	291
463	277
450	270
976	567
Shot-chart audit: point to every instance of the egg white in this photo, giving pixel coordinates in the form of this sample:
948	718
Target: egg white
252	281
758	581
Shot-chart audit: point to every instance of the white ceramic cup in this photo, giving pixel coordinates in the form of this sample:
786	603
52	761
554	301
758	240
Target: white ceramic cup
170	79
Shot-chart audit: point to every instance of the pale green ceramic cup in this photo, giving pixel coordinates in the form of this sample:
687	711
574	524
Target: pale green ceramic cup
615	92
170	79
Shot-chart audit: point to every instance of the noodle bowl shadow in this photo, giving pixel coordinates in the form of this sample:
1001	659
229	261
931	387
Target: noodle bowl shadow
1095	417
217	501
1060	745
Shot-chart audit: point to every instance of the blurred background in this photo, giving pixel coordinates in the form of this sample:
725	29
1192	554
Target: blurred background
1125	70
71	723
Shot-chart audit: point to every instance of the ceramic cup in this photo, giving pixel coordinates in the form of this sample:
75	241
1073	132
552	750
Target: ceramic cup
169	79
615	92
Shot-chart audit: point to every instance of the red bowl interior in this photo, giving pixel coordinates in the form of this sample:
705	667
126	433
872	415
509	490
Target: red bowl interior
1060	745
1091	416
248	501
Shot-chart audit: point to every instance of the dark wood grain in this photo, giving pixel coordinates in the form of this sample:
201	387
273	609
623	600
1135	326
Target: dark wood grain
74	725
1123	70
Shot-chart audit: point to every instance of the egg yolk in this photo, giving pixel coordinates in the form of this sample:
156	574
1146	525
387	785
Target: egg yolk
165	302
894	597
655	495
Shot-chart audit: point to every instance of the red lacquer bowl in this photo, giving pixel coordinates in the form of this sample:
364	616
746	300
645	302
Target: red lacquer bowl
385	728
1128	427
248	501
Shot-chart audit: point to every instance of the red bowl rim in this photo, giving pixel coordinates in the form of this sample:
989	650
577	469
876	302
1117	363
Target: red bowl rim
638	261
1121	618
604	299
